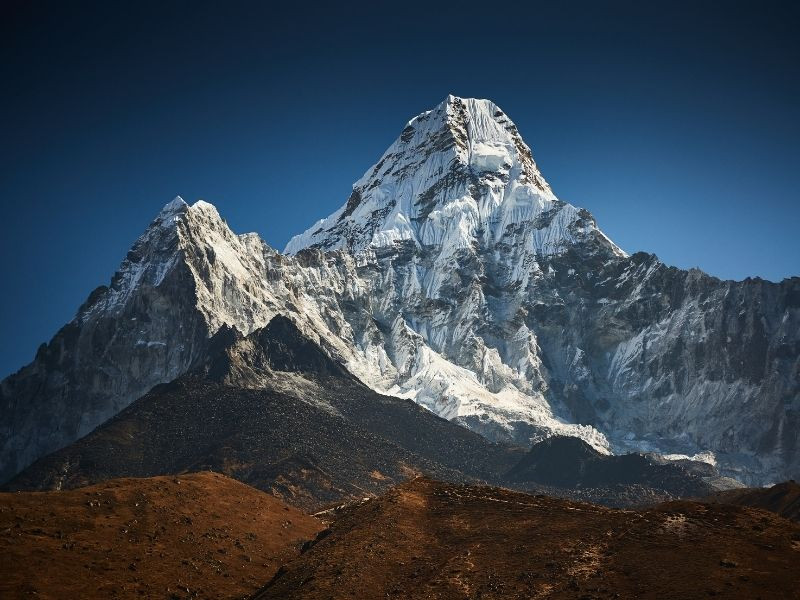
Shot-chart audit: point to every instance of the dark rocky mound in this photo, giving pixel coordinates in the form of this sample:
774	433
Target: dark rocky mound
782	498
559	461
426	539
571	463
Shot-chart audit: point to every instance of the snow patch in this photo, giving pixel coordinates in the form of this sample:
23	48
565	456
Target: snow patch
491	156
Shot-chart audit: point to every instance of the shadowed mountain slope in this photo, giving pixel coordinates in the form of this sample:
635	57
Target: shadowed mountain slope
274	411
567	462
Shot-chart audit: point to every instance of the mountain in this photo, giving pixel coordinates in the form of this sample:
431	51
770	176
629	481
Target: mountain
426	539
195	536
272	410
497	276
453	277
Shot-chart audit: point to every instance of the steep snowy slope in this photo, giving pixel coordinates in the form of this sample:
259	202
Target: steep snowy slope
452	276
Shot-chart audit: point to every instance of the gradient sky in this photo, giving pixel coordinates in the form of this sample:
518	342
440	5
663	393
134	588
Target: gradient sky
676	124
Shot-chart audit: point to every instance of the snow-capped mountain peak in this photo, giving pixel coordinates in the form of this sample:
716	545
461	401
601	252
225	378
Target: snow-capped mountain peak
457	175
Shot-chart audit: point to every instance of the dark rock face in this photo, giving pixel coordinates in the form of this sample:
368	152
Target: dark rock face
677	355
248	361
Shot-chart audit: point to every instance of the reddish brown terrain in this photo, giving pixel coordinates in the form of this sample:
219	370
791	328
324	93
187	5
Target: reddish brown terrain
204	535
432	540
201	535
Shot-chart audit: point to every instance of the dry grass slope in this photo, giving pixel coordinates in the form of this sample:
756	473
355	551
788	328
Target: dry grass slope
445	541
201	535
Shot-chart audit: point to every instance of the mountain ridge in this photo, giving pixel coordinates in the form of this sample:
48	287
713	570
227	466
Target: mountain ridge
272	410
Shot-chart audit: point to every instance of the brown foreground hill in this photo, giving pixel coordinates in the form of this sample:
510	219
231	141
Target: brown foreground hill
782	498
206	536
201	535
432	540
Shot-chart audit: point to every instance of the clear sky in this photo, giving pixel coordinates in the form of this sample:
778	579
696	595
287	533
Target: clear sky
675	123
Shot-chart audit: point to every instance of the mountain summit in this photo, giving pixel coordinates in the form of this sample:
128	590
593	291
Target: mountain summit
457	175
453	277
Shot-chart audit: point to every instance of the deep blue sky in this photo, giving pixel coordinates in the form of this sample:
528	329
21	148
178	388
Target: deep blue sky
676	124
